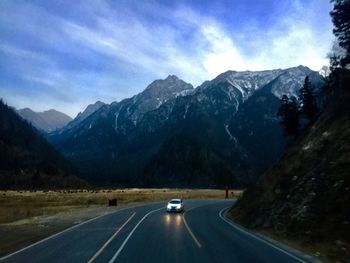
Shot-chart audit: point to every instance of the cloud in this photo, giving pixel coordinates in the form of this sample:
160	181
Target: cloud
153	48
112	50
24	54
291	42
223	54
301	38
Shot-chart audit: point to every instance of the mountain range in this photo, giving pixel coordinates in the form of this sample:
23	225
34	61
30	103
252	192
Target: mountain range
224	132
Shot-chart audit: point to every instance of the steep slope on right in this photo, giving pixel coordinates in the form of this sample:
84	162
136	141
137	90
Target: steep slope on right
304	197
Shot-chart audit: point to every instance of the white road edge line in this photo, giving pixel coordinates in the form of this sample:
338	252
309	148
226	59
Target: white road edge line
130	234
70	228
258	238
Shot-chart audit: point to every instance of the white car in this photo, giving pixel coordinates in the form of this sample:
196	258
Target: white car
175	205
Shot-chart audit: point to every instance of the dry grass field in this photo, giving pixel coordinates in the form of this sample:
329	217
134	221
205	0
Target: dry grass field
28	216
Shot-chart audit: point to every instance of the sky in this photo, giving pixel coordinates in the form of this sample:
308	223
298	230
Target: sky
67	54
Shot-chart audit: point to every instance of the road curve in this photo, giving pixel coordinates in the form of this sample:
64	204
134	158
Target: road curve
148	234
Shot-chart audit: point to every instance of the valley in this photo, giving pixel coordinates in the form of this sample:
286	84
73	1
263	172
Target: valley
175	131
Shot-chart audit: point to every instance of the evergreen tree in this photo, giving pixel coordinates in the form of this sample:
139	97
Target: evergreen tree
340	54
341	20
289	114
307	101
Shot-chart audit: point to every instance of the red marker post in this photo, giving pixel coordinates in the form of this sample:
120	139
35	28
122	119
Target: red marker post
226	192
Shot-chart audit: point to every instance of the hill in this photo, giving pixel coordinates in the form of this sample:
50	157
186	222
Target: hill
27	160
305	195
46	121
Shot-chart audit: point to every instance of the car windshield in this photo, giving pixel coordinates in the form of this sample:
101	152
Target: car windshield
175	202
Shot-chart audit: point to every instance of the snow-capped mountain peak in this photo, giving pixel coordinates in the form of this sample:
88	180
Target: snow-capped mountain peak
292	79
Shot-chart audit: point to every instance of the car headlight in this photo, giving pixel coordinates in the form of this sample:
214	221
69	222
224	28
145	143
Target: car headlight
168	206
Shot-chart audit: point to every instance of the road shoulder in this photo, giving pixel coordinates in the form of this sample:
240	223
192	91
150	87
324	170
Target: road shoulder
301	256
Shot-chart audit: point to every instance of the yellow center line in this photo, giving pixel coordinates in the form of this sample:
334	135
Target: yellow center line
191	233
110	239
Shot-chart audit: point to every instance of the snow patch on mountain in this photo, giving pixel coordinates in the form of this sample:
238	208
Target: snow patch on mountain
237	84
186	110
185	92
116	121
232	138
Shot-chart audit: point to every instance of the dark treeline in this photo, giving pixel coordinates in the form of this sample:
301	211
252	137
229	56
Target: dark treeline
27	160
298	113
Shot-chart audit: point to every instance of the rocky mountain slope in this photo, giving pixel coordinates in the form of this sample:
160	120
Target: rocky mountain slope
90	109
27	160
127	142
305	196
46	121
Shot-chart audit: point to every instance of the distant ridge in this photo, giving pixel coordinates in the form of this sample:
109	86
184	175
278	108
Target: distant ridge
46	121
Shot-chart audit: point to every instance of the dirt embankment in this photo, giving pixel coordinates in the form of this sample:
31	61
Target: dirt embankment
304	197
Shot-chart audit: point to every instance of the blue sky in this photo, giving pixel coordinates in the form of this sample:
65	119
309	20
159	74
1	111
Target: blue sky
68	54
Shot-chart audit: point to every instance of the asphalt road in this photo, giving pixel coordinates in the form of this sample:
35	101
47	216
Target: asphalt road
148	234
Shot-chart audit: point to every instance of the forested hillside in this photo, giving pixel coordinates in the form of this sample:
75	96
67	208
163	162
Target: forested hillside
27	160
